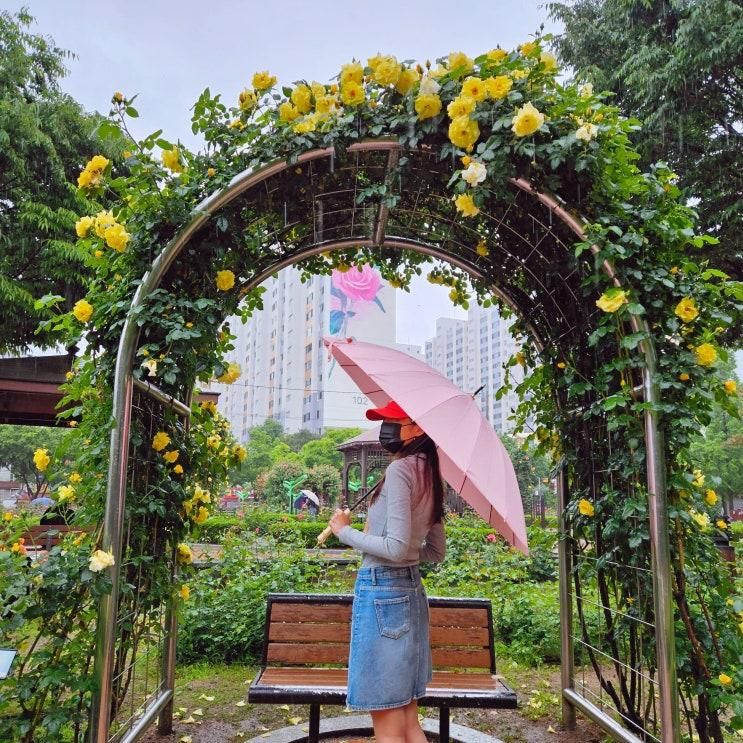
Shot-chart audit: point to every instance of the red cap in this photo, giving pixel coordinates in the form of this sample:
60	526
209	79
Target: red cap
390	410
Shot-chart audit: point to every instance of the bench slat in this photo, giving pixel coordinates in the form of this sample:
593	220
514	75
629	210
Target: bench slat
302	653
338	677
306	632
441	616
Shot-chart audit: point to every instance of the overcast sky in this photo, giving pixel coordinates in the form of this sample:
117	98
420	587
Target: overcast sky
167	52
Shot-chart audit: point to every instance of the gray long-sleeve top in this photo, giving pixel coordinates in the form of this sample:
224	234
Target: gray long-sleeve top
400	531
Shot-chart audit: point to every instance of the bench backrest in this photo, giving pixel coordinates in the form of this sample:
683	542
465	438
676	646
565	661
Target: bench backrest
315	629
47	536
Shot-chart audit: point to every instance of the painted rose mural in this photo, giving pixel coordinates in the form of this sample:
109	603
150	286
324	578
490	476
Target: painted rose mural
354	292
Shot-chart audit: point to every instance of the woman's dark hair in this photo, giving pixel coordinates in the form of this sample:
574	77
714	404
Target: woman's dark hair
425	445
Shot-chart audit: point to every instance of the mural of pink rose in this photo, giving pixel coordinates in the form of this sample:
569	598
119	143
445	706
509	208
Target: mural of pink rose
359	283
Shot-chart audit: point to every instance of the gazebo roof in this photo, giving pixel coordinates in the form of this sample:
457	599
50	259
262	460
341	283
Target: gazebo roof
368	437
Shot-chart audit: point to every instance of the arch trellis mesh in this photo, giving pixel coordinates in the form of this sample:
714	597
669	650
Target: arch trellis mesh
362	201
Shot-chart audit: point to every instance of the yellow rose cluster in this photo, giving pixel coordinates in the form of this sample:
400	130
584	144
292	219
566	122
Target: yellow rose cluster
105	226
231	374
195	507
224	280
91	175
42	459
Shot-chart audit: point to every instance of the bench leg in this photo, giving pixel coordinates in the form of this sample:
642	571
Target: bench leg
314	723
443	725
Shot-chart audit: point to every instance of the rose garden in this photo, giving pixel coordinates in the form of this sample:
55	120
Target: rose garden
490	175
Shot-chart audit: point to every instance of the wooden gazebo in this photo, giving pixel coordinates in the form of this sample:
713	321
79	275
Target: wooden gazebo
362	455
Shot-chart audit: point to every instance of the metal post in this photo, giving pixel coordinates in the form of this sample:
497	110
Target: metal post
111	542
665	636
165	719
567	670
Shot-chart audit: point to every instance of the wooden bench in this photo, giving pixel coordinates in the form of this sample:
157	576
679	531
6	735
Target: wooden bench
46	536
305	656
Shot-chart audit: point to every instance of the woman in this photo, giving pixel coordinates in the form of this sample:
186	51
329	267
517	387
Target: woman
390	658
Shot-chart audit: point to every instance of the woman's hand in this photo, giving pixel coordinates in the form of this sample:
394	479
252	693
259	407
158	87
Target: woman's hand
339	520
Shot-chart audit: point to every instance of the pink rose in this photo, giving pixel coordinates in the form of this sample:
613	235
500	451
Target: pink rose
358	283
491	537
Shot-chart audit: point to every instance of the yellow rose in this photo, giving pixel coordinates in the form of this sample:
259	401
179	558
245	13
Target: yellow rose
172	160
498	87
211	172
88	178
352	94
725	679
263	80
307	124
520	359
185	592
698	478
527	120
586	90
178	470
730	386
427	106
561	364
459	60
464	132
386	71
706	354
352	72
586	507
102	221
701	519
75	477
100	560
238	450
184	554
684	377
302	98
287	112
710	497
247	100
171	456
224	280
82	311
160	440
117	237
65	494
232	374
98	162
482	248
466	205
325	104
686	309
587	132
461	106
611	300
201	515
497	55
318	89
408	77
528	48
549	61
475	88
118	97
42	459
83	226
519	74
237	124
720	524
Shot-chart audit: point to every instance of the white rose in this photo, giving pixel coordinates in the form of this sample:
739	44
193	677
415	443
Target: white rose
151	366
474	173
429	86
587	132
100	560
585	91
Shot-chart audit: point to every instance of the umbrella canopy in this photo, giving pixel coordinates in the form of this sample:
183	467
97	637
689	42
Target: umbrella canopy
473	459
311	496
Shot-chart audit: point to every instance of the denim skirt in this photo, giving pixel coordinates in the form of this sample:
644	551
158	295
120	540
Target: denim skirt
389	661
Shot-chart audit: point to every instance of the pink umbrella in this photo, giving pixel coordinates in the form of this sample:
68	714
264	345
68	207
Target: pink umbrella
473	459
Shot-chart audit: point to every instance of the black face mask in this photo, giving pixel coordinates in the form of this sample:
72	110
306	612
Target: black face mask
389	437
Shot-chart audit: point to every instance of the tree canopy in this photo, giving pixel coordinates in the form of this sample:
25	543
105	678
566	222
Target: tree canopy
45	137
676	66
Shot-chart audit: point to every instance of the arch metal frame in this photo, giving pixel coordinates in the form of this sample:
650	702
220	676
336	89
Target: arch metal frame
125	383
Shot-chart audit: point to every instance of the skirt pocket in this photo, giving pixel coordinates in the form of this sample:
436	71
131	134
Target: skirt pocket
393	616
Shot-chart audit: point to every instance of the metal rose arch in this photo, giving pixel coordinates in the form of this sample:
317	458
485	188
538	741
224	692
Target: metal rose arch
296	210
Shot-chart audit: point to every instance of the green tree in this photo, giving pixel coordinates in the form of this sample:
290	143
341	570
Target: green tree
325	480
273	491
45	139
297	440
324	450
676	66
17	446
262	452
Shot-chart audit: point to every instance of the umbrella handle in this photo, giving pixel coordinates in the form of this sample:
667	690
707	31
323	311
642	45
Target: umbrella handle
323	535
